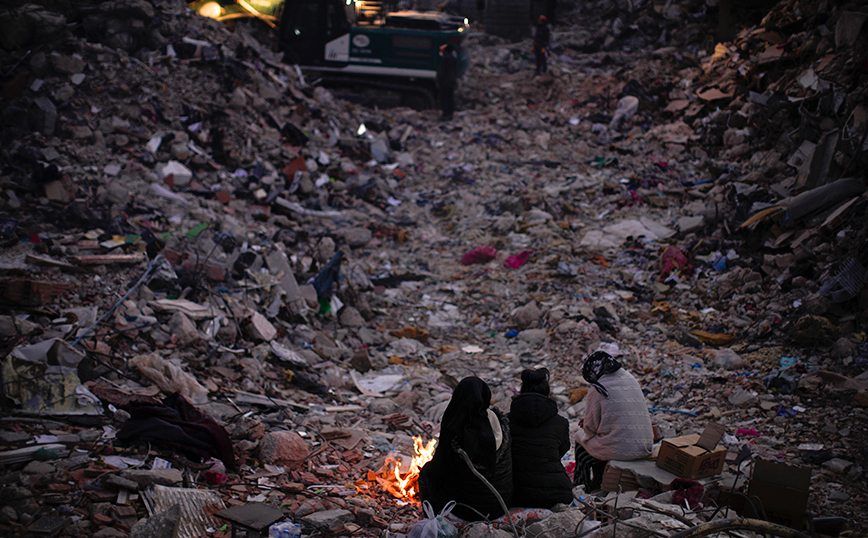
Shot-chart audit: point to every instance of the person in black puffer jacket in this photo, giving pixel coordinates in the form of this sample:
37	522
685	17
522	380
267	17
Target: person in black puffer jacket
483	433
540	437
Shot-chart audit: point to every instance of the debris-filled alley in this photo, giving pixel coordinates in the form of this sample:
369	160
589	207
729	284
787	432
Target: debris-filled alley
232	298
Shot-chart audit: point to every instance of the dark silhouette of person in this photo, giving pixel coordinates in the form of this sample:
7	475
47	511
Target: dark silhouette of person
447	80
540	438
541	39
483	433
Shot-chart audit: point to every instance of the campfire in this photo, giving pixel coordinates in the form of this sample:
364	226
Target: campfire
399	476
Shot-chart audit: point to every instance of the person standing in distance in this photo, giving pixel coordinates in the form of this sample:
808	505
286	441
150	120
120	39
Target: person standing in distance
447	80
541	39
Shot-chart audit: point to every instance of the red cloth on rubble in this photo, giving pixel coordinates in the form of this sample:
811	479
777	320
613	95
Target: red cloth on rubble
514	262
689	490
674	259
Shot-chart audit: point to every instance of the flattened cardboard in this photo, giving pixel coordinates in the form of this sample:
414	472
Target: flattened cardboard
783	491
711	435
613	478
684	457
257	516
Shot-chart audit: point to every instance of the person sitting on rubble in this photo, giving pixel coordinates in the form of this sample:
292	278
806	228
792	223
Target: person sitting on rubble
483	434
540	438
616	424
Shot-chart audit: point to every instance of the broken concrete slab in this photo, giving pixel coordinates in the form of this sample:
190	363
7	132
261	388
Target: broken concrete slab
333	520
146	478
278	264
160	525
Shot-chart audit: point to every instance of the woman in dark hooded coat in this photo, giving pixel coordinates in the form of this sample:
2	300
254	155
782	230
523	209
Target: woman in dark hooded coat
483	433
540	438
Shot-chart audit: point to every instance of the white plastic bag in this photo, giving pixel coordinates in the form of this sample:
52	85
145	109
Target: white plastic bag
170	377
434	526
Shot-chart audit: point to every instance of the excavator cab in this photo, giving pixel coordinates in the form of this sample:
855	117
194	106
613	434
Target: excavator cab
352	43
306	29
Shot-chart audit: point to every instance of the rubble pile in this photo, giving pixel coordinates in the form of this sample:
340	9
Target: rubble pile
690	25
223	286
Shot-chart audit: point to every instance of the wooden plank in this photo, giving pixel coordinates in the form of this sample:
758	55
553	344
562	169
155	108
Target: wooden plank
836	219
256	516
105	259
27	453
258	399
44	261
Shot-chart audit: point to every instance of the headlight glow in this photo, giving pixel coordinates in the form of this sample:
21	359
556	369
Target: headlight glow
211	9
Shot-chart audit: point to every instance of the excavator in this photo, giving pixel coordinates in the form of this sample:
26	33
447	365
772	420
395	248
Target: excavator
356	43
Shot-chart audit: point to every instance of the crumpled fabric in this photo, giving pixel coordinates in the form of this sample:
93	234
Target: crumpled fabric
514	262
483	254
170	377
674	259
689	490
784	380
330	273
178	424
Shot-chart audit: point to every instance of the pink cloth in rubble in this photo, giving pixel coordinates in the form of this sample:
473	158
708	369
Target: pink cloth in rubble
483	254
689	490
674	259
514	262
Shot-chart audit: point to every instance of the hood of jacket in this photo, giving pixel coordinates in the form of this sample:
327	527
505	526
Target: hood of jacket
532	409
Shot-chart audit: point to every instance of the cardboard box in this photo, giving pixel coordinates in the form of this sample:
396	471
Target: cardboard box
614	478
693	456
782	490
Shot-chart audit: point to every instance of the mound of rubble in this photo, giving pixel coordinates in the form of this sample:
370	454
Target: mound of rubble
224	288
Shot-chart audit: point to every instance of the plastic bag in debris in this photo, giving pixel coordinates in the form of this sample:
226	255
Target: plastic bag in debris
434	526
783	380
170	377
329	275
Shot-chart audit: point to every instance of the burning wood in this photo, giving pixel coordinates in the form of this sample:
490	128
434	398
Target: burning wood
399	477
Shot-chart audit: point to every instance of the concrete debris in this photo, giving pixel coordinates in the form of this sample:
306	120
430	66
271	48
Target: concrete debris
158	526
283	448
147	478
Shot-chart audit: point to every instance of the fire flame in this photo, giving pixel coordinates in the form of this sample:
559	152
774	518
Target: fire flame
403	485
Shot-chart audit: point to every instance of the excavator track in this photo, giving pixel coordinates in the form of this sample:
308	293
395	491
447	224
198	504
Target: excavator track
415	96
